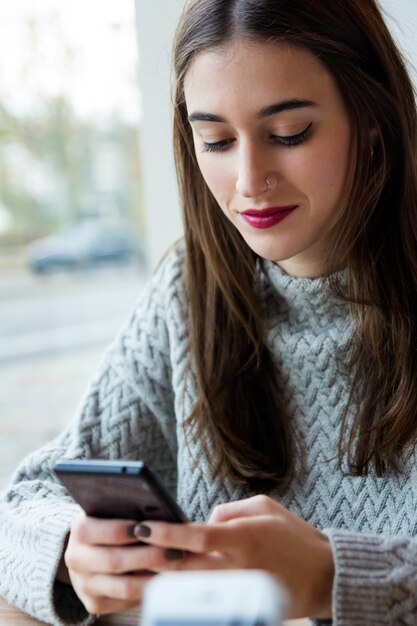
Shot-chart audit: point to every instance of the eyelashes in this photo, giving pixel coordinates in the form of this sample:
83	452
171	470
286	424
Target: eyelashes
292	140
287	141
218	146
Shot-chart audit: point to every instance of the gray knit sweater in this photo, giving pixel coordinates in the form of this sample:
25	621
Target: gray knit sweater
134	409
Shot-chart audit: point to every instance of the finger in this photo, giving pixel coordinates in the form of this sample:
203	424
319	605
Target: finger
159	562
95	531
125	589
257	505
105	606
192	537
202	562
88	560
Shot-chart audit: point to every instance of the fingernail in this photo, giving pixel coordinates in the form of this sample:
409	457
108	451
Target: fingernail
172	554
130	531
141	530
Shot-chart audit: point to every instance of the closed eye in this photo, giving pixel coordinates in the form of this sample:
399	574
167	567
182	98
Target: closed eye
288	141
292	140
217	146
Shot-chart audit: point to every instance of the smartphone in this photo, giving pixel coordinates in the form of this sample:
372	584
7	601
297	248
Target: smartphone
118	489
213	598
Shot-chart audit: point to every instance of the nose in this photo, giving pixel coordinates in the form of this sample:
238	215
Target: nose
253	174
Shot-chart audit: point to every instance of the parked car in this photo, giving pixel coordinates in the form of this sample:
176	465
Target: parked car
85	245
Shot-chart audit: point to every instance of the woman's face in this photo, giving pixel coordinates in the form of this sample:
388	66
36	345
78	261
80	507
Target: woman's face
274	143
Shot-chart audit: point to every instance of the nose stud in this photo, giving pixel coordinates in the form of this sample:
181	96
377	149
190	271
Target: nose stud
268	185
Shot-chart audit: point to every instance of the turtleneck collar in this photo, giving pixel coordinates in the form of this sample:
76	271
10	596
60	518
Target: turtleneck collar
303	294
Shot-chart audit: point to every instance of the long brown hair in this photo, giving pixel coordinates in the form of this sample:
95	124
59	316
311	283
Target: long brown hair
238	400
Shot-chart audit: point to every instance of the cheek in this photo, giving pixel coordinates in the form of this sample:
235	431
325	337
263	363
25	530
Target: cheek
327	173
217	177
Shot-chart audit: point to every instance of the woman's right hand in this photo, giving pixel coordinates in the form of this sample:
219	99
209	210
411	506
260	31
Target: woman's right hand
101	556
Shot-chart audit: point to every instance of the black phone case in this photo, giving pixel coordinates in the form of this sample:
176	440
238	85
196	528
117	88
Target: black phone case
118	489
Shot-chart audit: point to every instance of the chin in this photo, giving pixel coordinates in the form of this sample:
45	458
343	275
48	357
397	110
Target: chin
272	250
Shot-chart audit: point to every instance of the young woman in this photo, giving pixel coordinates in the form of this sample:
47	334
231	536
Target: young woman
269	371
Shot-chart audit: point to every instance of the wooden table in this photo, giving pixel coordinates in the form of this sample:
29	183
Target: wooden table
10	616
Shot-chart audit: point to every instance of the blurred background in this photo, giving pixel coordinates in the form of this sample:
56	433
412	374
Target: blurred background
88	199
76	243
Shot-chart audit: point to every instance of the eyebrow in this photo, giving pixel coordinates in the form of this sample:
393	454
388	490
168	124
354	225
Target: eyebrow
272	109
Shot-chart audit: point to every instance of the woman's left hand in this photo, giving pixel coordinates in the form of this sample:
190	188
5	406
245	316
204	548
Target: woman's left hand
256	533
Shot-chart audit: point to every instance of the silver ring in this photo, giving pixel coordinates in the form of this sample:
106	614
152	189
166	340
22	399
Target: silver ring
268	185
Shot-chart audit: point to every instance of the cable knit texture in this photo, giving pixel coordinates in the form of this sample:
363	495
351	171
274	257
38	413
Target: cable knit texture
134	409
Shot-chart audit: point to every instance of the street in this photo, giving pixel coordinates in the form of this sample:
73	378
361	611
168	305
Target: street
41	314
53	330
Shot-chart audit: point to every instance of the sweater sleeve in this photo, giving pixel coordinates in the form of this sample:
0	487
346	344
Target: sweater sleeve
375	579
127	412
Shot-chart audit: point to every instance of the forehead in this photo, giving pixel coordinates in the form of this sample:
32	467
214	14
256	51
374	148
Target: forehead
252	73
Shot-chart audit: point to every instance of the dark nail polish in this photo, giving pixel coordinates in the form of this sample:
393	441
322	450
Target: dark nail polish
141	530
130	531
172	554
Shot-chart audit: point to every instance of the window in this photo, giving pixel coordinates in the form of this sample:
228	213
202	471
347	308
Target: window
71	226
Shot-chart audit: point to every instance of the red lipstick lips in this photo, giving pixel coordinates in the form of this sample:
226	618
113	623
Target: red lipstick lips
266	218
